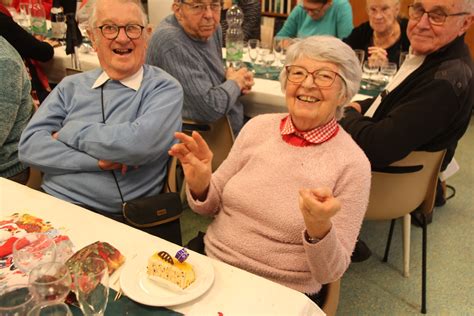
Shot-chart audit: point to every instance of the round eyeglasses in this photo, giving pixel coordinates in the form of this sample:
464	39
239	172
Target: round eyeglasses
111	31
322	77
438	17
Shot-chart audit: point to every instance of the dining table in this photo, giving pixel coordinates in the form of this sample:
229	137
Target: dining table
229	291
266	95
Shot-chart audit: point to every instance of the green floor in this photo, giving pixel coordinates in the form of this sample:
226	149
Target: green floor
376	288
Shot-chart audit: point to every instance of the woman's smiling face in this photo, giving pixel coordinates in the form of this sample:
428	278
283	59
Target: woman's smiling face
309	105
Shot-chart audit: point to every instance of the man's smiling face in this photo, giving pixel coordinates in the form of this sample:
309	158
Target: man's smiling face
120	57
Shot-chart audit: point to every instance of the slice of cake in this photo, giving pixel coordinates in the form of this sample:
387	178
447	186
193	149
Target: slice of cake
162	265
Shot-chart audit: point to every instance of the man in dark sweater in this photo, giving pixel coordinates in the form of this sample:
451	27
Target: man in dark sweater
188	45
428	104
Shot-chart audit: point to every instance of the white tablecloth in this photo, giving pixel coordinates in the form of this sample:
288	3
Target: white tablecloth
234	291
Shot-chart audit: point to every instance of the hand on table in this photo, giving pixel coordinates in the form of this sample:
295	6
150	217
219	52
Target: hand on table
318	206
196	159
243	77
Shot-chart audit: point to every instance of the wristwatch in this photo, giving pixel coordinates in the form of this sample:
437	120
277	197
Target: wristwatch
310	239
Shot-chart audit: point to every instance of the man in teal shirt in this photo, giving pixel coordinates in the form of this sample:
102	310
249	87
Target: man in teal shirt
319	17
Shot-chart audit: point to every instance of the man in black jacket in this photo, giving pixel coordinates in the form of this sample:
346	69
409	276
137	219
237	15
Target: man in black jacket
428	104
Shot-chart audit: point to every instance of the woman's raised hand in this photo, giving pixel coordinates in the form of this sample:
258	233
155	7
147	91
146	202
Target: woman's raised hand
196	159
318	206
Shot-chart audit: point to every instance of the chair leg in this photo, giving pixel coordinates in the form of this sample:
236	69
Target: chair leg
406	245
423	265
389	240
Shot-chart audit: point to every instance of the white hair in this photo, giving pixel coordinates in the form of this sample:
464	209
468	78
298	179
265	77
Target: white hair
328	49
93	16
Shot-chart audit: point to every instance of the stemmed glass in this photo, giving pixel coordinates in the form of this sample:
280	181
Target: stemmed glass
50	281
16	300
24	15
369	70
388	70
253	47
360	53
279	50
267	56
32	250
91	280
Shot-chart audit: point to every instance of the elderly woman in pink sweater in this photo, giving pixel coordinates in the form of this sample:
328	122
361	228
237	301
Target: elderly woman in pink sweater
289	200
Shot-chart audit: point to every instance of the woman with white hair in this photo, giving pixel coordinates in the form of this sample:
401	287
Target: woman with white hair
289	200
384	36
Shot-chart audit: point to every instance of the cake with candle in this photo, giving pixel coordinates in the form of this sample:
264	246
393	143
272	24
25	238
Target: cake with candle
162	265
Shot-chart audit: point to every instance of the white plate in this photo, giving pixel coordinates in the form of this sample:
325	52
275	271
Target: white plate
138	287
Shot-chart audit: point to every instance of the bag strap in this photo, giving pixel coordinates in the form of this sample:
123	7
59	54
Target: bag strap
112	171
103	121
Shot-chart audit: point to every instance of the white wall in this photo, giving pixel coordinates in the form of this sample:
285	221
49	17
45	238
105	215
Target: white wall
158	10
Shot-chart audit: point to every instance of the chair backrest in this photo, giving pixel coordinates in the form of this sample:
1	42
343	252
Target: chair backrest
405	185
72	71
218	136
35	179
332	298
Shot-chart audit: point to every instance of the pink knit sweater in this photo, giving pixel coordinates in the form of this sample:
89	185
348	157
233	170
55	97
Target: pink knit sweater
254	197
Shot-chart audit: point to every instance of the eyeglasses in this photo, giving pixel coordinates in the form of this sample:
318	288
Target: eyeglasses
111	31
438	17
200	8
322	77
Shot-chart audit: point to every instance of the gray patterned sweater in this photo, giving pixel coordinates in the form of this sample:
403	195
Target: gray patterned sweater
15	105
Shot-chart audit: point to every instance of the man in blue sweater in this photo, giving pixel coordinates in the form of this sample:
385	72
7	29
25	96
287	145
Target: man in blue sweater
121	117
188	45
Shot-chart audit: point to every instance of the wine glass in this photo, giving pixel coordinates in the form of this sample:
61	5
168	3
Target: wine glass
279	50
16	300
24	15
253	47
50	281
51	308
368	71
32	250
268	57
388	70
360	53
91	280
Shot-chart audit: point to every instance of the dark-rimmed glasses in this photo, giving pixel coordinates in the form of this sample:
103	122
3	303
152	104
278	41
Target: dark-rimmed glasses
437	17
322	77
200	8
111	31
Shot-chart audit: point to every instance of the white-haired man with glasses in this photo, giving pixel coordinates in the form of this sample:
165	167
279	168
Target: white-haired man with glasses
120	117
188	45
428	104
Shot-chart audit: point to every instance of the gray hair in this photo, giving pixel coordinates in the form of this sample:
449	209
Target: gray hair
328	49
93	16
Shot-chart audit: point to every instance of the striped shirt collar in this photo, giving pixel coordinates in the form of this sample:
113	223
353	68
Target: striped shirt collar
315	136
133	82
